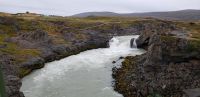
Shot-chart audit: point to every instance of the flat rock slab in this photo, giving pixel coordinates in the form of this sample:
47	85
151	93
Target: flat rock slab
193	92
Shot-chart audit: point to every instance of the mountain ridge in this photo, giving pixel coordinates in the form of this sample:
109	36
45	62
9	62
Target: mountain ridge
188	14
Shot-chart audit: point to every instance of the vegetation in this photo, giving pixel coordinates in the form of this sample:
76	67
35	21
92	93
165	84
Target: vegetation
57	26
154	95
12	25
193	45
192	27
169	39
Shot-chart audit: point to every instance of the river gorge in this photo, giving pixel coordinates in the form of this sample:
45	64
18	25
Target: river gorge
87	74
99	57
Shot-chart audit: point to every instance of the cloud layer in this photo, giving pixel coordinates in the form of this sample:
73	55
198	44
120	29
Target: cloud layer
70	7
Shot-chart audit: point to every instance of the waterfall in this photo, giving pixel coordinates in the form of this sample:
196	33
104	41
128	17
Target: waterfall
121	43
133	43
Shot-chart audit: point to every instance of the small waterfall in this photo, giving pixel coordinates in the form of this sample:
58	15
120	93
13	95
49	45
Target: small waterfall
114	42
121	43
133	43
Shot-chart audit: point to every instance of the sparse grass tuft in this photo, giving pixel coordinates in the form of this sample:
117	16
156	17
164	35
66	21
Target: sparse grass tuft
194	45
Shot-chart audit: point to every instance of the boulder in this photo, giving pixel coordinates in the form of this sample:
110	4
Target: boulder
33	63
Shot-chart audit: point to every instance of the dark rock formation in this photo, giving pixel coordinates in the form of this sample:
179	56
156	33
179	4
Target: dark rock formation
113	62
192	92
132	43
11	79
170	66
13	84
32	39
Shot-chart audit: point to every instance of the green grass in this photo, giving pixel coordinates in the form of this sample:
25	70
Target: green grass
155	95
7	28
13	49
24	71
192	27
168	38
193	45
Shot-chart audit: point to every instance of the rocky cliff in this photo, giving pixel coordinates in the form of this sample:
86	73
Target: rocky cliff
169	68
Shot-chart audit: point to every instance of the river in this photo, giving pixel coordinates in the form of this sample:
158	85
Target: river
87	74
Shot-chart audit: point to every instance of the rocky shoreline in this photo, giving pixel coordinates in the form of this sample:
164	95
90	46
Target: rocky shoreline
169	68
27	44
13	77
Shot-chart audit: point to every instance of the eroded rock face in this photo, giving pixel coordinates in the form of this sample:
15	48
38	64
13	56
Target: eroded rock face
32	39
170	66
13	84
11	79
147	37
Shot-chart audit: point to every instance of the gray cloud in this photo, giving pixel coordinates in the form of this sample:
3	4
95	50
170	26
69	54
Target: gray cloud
69	7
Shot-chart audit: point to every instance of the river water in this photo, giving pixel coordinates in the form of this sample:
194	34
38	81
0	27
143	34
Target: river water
87	74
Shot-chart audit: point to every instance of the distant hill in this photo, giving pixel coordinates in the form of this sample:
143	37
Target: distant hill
173	15
86	14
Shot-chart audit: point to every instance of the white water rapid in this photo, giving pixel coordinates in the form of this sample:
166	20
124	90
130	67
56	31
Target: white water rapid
87	74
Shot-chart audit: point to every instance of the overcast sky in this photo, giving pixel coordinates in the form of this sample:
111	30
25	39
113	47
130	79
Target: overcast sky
70	7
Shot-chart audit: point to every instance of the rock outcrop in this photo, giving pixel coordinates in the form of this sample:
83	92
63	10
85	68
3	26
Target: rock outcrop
170	66
11	77
32	39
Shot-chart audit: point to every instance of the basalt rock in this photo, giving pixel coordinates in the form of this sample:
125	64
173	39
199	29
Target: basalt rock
170	66
38	38
150	31
132	43
13	84
11	79
33	63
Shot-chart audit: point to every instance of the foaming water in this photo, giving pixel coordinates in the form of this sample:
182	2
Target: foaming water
87	74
